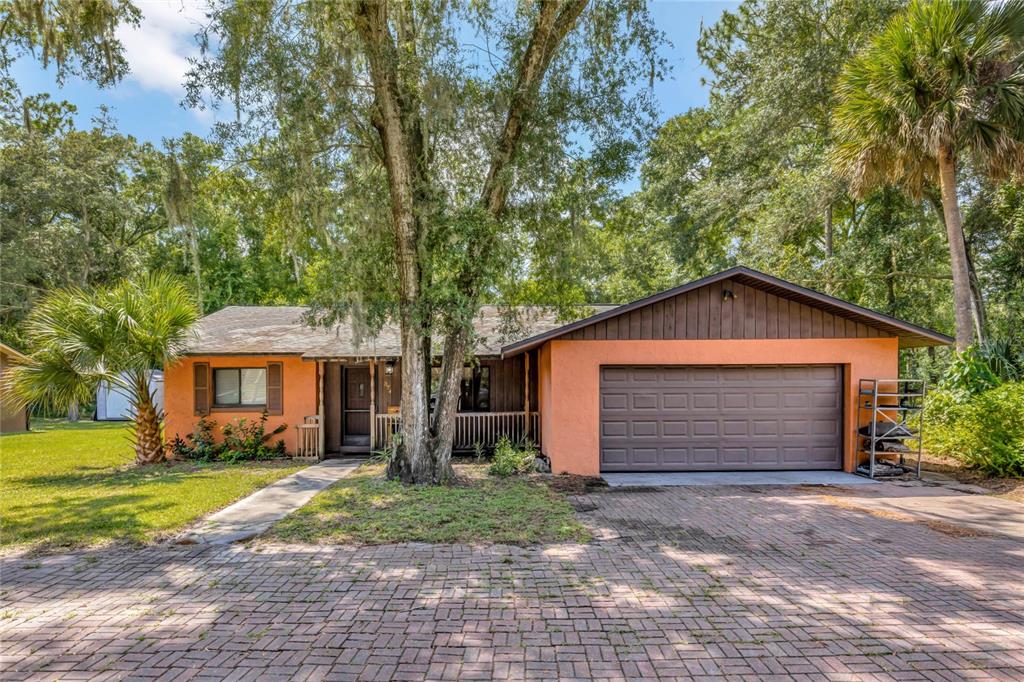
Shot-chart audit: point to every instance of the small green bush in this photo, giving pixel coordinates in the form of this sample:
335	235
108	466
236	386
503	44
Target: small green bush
968	374
199	445
248	441
510	458
984	431
243	441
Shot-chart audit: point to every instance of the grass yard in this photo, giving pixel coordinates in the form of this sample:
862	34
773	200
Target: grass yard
366	509
66	485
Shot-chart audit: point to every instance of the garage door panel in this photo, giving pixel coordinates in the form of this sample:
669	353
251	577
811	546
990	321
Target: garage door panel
766	455
614	429
675	456
645	401
825	400
796	400
614	401
645	455
681	418
705	455
675	401
645	429
611	375
735	455
671	428
735	401
735	427
704	427
705	401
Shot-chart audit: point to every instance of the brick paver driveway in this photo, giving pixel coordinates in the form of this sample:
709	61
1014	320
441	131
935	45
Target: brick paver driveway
680	583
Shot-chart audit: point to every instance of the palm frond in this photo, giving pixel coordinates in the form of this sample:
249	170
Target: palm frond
943	74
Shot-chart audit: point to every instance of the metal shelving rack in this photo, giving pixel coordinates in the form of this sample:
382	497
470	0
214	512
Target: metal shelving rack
892	411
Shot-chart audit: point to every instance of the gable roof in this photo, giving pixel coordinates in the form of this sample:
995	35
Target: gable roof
280	330
910	335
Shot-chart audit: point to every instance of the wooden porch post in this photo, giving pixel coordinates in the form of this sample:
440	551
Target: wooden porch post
526	392
322	427
373	403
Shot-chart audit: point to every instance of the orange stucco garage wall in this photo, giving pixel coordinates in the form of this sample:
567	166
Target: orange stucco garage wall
299	383
570	381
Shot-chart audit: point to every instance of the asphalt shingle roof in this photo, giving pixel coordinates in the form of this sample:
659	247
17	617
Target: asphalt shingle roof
280	330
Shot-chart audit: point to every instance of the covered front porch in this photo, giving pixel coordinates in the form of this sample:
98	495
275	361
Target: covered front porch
358	401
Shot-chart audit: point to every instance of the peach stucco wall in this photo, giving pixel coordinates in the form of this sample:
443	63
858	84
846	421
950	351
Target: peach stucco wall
570	381
299	384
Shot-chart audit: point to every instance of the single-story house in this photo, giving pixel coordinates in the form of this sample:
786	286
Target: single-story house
13	419
735	371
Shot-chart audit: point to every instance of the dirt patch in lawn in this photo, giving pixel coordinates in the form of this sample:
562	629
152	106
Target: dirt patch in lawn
571	484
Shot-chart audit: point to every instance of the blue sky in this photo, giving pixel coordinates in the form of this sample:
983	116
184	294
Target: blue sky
147	103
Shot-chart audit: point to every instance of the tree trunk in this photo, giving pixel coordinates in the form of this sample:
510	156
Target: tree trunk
978	301
447	409
412	462
962	305
401	151
424	453
193	247
73	415
829	251
149	447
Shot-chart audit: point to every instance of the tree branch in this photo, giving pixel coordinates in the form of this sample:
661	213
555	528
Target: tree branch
554	22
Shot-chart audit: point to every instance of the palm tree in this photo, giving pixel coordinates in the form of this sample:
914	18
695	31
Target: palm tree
115	335
942	84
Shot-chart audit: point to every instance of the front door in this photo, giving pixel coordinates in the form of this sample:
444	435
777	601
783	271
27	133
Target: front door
356	406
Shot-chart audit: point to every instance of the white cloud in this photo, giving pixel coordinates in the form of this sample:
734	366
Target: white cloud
158	49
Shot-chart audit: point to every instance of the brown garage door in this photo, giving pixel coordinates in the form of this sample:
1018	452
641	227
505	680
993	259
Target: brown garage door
717	418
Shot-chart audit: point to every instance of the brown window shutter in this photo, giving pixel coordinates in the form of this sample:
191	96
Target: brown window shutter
275	388
201	388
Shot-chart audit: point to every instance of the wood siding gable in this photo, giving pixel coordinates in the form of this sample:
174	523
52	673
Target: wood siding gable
726	309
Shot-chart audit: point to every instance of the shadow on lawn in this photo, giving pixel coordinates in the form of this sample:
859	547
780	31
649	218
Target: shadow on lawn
166	472
77	520
682	582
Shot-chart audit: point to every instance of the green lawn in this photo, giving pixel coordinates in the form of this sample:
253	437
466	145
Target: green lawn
366	509
65	485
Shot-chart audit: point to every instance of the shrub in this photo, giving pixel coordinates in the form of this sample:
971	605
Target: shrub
245	440
1005	361
985	430
198	445
968	374
510	459
388	453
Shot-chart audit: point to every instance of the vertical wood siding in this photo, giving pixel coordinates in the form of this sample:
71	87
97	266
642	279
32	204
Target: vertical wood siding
704	314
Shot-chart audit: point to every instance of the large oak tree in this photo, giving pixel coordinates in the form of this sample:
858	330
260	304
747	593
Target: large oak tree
439	129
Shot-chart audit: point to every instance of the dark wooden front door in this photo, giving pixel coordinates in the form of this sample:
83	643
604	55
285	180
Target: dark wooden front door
356	406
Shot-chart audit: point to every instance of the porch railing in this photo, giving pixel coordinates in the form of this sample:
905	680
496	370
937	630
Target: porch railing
471	428
307	444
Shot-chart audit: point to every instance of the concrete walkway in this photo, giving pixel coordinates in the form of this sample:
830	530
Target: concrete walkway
254	514
736	478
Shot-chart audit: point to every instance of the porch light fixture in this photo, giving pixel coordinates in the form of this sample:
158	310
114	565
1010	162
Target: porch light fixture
389	367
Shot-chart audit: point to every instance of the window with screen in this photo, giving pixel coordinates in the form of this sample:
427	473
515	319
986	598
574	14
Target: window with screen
240	386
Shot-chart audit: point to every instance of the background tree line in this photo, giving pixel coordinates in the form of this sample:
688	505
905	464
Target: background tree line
290	202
